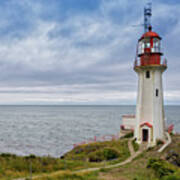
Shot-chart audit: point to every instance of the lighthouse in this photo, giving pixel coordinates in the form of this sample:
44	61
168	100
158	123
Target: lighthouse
149	119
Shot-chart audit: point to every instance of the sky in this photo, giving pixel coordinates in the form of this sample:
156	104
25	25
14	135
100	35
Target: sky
81	51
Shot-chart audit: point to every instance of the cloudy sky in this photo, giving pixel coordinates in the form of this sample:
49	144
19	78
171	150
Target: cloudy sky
81	51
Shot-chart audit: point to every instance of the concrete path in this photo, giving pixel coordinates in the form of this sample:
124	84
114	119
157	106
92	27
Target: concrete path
168	142
132	156
131	149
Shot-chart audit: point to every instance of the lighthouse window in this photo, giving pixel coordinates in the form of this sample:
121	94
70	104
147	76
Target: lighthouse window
147	45
157	92
156	45
141	47
147	74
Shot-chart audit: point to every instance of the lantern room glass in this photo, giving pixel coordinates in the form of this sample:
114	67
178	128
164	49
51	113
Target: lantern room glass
156	45
146	43
143	44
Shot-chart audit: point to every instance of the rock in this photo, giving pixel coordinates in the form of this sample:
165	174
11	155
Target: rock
173	158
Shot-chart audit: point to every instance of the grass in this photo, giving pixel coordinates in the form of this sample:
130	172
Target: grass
12	166
100	151
129	135
71	176
137	169
162	168
135	145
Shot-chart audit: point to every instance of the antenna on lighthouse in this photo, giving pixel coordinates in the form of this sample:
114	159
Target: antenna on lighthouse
147	16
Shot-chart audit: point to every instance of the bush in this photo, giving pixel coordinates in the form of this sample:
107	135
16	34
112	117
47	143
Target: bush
31	156
104	170
160	167
87	148
110	154
171	177
160	142
150	148
135	145
129	135
102	155
96	156
7	155
88	151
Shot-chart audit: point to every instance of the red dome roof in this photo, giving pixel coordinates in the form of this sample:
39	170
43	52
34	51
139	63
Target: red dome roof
150	34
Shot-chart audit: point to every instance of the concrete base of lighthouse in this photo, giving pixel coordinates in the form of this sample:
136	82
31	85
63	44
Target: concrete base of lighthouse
150	124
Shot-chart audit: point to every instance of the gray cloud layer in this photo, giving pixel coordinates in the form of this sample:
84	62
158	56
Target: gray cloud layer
85	57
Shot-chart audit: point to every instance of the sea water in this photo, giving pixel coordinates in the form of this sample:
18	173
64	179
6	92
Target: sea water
52	130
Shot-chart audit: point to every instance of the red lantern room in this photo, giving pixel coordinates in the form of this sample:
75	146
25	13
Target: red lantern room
149	45
149	49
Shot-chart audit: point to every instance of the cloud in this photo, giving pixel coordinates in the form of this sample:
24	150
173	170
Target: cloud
52	52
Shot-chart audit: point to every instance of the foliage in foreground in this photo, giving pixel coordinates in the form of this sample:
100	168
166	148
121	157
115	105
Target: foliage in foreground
135	145
163	169
70	176
104	155
129	135
100	151
18	166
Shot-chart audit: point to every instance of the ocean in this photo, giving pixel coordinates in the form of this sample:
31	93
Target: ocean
52	130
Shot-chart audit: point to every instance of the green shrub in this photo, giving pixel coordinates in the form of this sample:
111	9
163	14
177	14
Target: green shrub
87	148
150	148
96	157
129	135
7	155
159	142
89	151
102	155
104	170
135	145
31	156
160	167
171	177
110	154
69	176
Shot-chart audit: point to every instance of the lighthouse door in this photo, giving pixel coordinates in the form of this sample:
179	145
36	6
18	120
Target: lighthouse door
145	135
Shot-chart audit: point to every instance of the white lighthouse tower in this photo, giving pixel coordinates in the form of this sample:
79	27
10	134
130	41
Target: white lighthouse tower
150	120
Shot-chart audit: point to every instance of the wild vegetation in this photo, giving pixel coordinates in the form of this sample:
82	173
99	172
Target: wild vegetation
83	156
163	169
15	166
100	151
71	176
149	165
135	145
